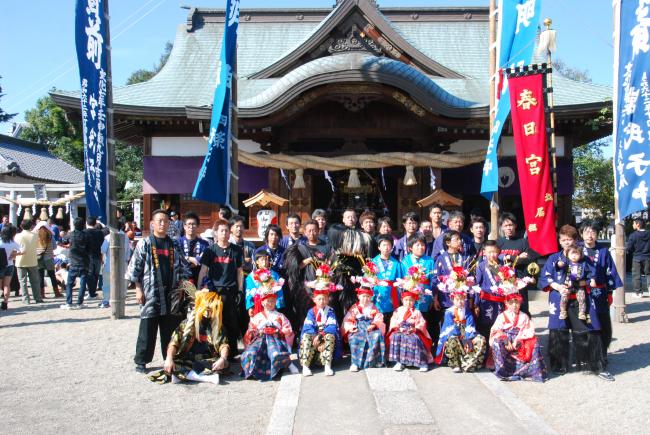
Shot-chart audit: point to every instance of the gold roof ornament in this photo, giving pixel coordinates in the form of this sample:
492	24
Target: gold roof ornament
441	197
263	197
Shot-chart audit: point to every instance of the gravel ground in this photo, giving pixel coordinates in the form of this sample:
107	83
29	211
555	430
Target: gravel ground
72	371
579	403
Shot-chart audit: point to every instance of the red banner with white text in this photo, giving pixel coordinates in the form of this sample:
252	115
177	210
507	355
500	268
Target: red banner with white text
529	128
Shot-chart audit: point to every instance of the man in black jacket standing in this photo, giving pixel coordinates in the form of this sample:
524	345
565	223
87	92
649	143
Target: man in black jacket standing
638	244
78	264
94	240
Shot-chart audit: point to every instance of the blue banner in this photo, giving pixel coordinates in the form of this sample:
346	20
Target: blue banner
517	31
632	130
213	182
90	36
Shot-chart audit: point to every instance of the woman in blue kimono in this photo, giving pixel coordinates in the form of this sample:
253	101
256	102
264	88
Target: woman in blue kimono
586	338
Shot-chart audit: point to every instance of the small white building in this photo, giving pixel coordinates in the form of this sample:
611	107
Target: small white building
32	177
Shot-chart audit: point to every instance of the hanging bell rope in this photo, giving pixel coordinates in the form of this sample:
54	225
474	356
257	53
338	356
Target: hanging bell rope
361	161
299	182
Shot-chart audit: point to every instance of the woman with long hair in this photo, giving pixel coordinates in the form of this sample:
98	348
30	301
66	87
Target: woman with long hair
12	249
45	255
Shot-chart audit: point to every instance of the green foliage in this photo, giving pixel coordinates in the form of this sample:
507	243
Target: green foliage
142	75
594	178
47	124
4	116
128	166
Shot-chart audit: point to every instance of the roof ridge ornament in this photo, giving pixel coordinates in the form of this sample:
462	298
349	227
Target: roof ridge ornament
371	2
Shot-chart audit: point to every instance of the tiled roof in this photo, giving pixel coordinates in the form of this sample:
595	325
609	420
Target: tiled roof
33	160
190	73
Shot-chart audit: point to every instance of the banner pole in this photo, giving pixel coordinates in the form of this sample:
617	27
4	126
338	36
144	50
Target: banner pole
549	96
234	129
116	254
619	239
494	204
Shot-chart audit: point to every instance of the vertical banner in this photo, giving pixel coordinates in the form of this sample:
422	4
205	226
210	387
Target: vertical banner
632	117
529	129
213	182
90	34
518	22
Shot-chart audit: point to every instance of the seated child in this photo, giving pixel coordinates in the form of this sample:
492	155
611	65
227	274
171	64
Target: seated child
262	276
320	331
364	328
198	350
269	337
578	270
514	347
408	341
460	344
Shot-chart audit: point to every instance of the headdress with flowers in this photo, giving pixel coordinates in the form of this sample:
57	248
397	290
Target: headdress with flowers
459	281
509	284
414	281
369	278
267	286
323	282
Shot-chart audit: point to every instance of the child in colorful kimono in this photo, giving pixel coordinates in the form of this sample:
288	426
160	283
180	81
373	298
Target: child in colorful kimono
449	259
269	337
198	350
488	303
262	276
388	271
578	270
363	328
460	345
320	331
513	343
416	260
408	341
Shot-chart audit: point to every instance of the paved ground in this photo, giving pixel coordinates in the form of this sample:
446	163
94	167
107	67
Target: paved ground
72	371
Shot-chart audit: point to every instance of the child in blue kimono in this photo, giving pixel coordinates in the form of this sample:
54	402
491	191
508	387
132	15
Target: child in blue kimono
261	275
386	297
446	261
320	334
577	271
460	344
416	259
488	303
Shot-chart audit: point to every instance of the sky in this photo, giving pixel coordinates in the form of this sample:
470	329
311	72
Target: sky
37	48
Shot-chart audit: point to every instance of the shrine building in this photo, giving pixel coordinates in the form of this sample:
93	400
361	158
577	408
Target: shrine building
331	87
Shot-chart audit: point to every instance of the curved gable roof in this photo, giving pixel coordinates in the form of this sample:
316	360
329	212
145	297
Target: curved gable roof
385	32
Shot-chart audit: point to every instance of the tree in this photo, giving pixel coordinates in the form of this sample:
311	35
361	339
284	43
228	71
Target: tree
142	75
594	178
47	124
580	75
4	116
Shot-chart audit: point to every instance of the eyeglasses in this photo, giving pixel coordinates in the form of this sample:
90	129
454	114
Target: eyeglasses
191	224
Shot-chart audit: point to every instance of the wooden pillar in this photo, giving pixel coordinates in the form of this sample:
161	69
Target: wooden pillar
146	215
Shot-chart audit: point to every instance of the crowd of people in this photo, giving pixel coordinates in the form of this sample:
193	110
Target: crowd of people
34	251
436	295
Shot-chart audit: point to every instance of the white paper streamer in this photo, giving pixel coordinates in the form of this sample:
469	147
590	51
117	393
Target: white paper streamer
34	209
50	211
67	207
433	179
20	209
328	178
286	181
383	180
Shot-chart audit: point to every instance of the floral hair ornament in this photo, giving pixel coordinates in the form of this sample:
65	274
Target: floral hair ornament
509	284
413	283
323	283
369	279
458	282
267	286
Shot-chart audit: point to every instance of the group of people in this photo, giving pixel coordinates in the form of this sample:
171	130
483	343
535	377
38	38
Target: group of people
434	296
36	250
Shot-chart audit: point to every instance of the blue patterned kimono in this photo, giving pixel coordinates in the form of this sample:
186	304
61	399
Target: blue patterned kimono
251	287
443	267
425	301
490	304
607	277
465	332
439	247
551	273
327	325
383	294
